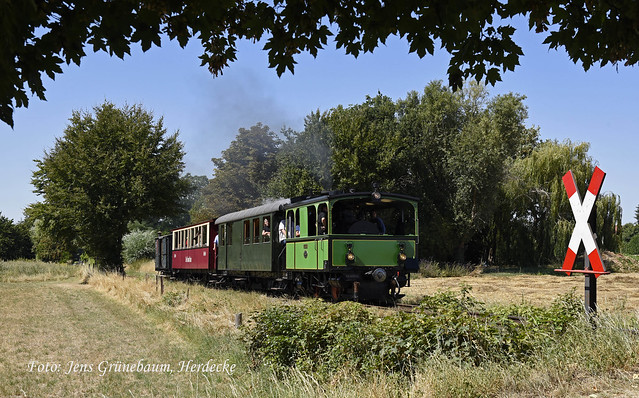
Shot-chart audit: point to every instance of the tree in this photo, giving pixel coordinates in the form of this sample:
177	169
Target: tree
450	149
242	173
365	145
14	240
38	35
53	239
110	167
637	215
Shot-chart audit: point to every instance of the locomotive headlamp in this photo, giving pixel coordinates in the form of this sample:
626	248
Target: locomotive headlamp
350	256
401	257
376	195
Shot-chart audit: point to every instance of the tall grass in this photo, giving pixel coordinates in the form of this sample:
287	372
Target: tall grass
436	269
583	361
32	270
210	311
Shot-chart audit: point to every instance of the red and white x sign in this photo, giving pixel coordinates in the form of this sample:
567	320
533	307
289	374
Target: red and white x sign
582	231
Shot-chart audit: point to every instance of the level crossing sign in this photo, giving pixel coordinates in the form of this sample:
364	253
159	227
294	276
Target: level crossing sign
593	264
583	231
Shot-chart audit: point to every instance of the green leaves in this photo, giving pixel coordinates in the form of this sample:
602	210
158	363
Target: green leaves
314	336
477	34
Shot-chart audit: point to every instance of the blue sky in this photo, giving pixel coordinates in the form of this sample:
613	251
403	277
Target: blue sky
599	106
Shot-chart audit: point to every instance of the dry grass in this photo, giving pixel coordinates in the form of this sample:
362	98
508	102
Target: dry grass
30	270
617	292
57	323
210	310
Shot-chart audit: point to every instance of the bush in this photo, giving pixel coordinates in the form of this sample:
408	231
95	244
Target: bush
632	246
329	338
138	245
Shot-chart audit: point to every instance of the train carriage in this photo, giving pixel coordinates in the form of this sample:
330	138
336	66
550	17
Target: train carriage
192	249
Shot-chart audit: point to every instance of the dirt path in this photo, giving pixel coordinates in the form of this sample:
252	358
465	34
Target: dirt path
48	328
614	291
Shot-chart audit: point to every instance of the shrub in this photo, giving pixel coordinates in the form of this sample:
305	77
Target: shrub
632	246
138	245
329	338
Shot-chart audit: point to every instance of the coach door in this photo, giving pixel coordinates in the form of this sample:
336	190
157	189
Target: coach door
225	240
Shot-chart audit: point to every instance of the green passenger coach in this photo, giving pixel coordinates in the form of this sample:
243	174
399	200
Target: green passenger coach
360	246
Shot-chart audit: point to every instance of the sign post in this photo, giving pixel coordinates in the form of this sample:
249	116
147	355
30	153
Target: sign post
582	210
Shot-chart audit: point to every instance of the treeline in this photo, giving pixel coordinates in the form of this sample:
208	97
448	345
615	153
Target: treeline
489	189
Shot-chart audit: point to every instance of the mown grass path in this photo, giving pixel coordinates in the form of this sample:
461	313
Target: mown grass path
64	324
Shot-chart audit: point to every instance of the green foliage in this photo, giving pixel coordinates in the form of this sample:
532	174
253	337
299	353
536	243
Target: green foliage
109	168
241	174
451	150
49	243
15	241
608	222
347	336
630	244
39	36
138	245
488	190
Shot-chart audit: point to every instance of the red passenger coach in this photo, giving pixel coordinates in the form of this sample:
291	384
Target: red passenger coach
194	248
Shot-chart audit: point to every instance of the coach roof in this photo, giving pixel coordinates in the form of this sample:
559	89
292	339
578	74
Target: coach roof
266	208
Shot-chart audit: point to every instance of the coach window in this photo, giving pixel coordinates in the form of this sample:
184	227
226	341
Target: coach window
256	230
229	234
222	237
247	232
205	235
266	229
